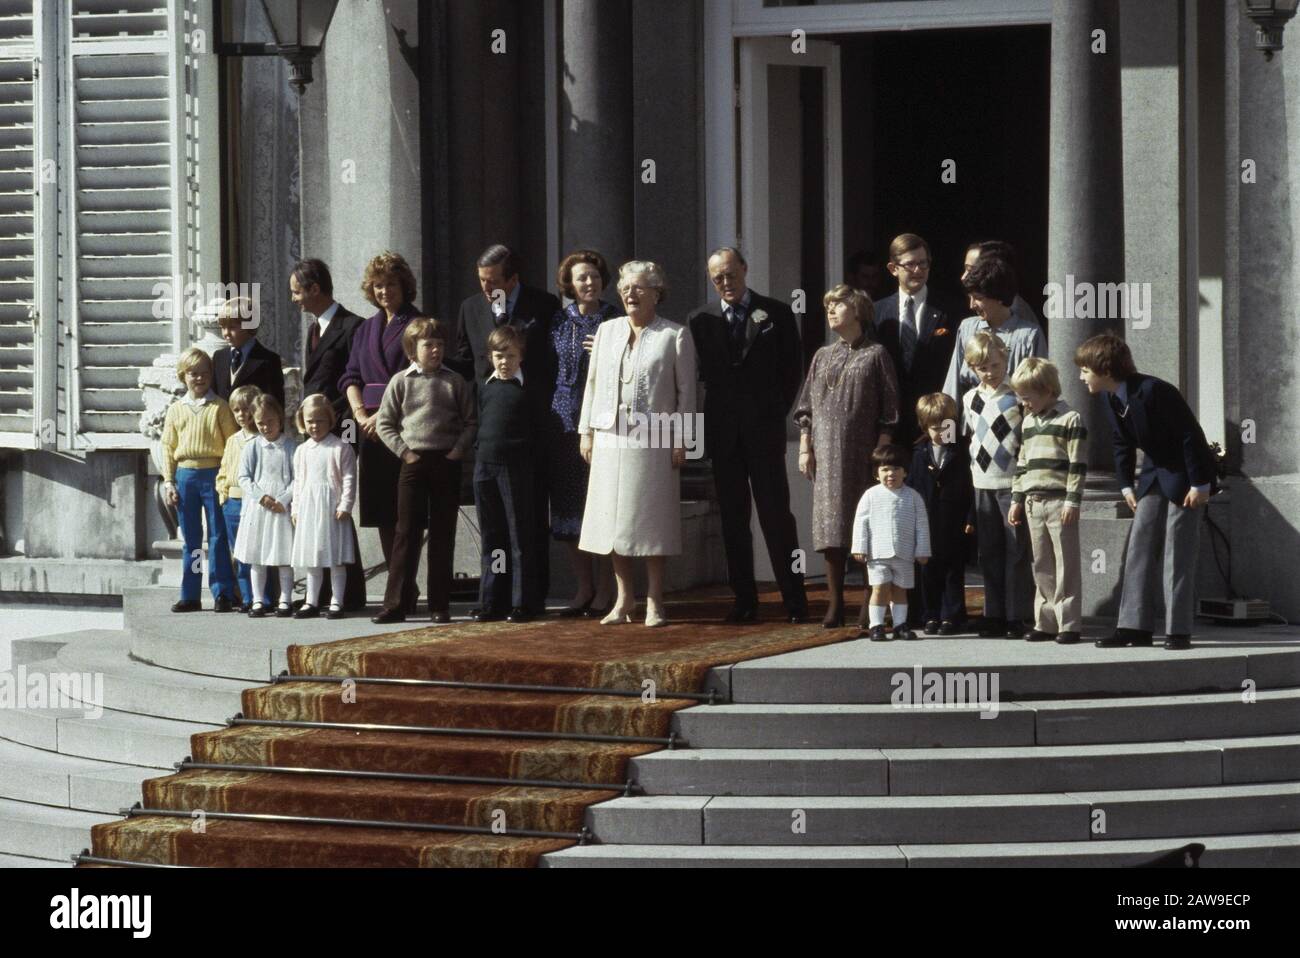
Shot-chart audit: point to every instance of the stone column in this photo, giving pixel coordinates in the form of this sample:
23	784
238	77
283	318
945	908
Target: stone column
596	162
1086	201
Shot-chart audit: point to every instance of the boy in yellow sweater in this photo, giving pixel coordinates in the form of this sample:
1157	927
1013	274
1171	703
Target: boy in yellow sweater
194	437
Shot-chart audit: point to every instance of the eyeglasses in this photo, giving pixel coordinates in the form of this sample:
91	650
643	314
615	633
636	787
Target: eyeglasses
915	267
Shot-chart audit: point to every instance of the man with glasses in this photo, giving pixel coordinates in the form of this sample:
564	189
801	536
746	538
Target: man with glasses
915	330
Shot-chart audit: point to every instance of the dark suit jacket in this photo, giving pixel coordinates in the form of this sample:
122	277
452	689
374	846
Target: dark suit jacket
533	312
260	369
933	352
948	493
754	397
1160	423
322	368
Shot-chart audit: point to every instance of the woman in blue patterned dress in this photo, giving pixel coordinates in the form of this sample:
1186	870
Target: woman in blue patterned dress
582	278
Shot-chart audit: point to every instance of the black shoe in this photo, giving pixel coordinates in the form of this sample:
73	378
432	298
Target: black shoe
598	611
1068	638
1015	629
308	612
904	633
835	621
440	618
335	612
877	633
188	605
1178	642
1036	635
797	615
284	612
741	613
993	629
575	611
223	605
258	611
1123	637
931	626
947	628
244	607
519	615
487	615
388	617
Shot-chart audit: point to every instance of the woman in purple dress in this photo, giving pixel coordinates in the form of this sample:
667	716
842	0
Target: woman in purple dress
582	277
377	356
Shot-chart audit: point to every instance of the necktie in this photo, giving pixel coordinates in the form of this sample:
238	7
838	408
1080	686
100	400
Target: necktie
907	334
236	359
736	321
313	338
501	318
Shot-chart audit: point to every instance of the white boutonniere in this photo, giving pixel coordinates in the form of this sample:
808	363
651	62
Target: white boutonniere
759	316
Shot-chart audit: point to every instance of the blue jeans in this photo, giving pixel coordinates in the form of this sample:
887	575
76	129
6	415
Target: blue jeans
233	510
198	493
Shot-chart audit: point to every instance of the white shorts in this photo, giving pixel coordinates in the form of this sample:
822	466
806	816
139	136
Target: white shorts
898	571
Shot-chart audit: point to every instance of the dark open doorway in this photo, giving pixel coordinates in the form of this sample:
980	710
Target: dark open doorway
977	97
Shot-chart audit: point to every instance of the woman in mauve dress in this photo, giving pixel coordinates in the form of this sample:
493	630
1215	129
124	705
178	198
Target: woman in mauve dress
377	356
848	407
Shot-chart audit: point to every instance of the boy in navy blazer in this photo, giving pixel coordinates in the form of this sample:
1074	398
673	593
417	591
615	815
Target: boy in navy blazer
1178	476
941	474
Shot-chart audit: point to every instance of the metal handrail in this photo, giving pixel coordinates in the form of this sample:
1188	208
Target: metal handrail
711	696
630	787
581	837
670	742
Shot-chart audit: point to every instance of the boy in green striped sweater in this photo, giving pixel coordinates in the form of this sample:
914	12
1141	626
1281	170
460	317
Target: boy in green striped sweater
1046	493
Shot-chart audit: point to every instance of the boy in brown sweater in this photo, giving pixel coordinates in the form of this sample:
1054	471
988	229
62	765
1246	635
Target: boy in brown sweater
427	419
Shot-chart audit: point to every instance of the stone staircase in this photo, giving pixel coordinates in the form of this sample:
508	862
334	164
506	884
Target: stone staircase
1095	757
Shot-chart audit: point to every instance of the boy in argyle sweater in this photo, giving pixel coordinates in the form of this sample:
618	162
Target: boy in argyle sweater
991	416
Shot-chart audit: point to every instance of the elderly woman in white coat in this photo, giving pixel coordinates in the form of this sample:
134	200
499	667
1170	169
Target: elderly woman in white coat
640	391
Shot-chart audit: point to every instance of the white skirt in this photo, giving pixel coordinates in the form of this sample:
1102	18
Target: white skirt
320	540
264	537
633	500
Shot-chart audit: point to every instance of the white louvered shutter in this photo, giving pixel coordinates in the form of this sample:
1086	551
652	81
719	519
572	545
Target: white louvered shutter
130	196
19	170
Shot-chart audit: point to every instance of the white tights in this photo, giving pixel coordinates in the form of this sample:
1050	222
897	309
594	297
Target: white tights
259	574
338	583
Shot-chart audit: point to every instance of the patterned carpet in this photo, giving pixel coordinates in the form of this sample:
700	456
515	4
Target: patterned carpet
563	652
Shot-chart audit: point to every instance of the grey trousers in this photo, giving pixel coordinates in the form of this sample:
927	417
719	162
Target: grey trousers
1161	527
1057	574
1004	557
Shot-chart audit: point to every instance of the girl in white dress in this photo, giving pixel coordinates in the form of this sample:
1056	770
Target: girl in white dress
265	538
324	492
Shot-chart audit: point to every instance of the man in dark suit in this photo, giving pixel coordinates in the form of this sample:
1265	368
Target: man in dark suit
327	344
245	362
505	300
1178	477
916	330
750	360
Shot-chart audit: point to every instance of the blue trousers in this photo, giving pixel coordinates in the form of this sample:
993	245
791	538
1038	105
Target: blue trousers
504	494
232	510
198	494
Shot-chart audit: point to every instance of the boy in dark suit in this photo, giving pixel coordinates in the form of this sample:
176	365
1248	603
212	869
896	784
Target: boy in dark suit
752	366
245	362
941	474
915	329
1177	479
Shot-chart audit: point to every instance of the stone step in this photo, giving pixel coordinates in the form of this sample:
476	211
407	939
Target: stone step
132	686
47	778
952	819
861	671
1065	722
966	771
233	646
119	738
1280	850
39	831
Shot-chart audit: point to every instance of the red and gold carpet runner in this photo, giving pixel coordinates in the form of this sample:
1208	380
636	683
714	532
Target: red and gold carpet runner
561	652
